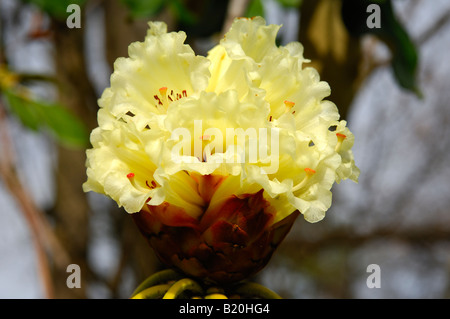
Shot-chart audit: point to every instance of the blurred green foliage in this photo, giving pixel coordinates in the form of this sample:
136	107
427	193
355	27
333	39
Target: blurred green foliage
64	126
150	8
56	8
255	8
290	3
34	114
139	8
404	53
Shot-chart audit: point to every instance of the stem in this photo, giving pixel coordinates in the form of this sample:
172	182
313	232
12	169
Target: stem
182	285
163	276
216	296
155	292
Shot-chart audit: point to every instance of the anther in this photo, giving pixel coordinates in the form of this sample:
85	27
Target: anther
153	184
163	91
289	106
340	138
158	99
289	103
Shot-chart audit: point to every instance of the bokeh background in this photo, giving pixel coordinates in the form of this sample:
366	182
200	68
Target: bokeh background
391	84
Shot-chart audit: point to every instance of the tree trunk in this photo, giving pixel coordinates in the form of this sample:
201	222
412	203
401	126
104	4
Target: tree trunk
70	212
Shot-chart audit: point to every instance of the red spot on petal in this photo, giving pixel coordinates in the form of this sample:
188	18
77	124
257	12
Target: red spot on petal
130	175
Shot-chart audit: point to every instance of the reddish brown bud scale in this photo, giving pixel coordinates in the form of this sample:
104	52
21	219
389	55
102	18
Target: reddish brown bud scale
227	245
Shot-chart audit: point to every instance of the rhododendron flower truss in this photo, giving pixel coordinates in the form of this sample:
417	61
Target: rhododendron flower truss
216	156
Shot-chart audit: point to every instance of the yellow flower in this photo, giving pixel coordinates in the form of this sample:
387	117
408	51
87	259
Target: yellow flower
220	145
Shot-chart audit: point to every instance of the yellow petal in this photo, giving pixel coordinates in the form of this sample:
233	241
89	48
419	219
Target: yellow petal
162	60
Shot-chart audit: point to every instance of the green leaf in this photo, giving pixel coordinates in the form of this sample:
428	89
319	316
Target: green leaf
143	8
404	53
56	8
255	9
405	59
182	12
23	110
291	3
67	128
63	125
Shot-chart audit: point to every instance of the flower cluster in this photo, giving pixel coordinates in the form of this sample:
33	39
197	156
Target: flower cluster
207	203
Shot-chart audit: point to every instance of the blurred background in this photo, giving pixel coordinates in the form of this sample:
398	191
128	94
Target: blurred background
391	84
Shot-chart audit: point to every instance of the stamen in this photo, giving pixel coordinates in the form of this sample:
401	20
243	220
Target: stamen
289	106
164	99
163	92
158	99
309	172
132	180
151	186
289	103
340	138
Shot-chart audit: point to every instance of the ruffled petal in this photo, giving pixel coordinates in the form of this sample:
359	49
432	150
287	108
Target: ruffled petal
168	115
162	61
119	167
